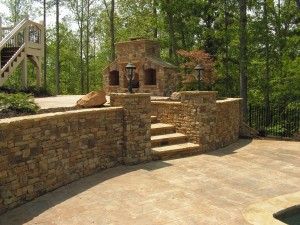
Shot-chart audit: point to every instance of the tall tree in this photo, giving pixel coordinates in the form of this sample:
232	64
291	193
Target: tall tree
87	48
110	10
267	59
243	55
168	8
57	62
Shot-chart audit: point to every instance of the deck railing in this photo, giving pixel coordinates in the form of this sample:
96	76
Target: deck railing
25	32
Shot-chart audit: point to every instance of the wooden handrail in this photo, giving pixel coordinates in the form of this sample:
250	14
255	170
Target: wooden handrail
12	58
12	33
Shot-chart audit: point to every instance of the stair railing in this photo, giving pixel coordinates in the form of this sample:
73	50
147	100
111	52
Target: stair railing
3	69
25	32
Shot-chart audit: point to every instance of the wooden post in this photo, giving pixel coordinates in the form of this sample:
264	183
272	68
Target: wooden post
24	72
0	38
38	72
0	28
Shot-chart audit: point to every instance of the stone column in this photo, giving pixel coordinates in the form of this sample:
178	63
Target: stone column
199	112
137	122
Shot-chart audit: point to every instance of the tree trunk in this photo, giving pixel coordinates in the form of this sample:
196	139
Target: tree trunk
228	89
87	48
155	17
172	34
111	17
298	4
112	29
267	65
57	69
81	49
45	47
243	55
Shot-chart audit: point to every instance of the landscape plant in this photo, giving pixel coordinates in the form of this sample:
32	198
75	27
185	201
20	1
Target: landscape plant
19	103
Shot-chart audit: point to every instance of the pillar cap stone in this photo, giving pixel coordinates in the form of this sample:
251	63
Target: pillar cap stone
198	92
129	95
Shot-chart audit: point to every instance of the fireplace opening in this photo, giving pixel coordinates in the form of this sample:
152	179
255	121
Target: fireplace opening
114	78
150	77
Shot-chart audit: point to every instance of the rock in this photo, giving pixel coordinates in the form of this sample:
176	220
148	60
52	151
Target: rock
92	99
175	96
247	132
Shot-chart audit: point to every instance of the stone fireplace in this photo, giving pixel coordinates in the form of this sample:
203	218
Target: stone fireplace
152	74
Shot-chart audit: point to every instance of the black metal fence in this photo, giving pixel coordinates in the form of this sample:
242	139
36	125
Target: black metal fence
280	122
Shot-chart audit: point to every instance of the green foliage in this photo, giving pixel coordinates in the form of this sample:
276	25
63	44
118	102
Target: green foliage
209	25
18	102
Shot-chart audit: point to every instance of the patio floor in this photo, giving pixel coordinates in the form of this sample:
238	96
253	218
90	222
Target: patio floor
213	188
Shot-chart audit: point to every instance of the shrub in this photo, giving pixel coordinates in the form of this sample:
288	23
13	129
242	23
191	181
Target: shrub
20	103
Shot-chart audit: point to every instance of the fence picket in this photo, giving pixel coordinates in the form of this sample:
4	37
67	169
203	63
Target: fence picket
282	122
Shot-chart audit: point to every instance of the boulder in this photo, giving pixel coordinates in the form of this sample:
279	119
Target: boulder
175	96
247	132
92	99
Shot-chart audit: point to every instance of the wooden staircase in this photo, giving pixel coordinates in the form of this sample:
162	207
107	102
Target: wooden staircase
17	43
166	143
6	56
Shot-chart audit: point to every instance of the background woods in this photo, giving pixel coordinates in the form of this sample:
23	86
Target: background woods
254	45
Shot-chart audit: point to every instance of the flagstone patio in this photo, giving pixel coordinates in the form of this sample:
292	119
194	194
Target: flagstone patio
213	188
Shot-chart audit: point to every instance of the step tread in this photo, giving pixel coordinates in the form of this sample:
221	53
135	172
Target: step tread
161	125
174	148
166	137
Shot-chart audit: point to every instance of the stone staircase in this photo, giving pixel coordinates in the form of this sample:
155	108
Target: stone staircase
166	143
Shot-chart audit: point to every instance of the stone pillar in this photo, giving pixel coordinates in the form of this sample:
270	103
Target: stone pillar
137	122
200	113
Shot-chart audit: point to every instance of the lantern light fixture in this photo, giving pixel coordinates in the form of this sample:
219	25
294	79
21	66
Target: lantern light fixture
198	75
130	68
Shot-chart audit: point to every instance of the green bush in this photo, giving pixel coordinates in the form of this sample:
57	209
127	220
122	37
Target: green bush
20	103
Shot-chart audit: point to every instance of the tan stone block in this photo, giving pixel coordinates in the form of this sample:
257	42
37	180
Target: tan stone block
21	191
3	174
20	169
26	153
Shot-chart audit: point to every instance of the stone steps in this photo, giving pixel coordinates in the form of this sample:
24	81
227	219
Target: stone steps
167	139
162	128
166	143
174	150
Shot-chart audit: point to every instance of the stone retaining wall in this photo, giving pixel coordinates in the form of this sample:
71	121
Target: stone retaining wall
40	153
43	152
206	121
229	118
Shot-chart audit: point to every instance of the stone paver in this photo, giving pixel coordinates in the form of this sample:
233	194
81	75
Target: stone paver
207	189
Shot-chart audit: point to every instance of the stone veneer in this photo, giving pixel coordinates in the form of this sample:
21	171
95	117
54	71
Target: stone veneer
43	152
40	153
145	55
137	126
206	121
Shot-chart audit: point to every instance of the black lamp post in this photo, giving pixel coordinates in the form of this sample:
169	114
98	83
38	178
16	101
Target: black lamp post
130	67
198	75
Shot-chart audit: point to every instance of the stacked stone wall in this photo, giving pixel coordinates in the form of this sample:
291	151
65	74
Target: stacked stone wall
43	152
210	123
137	126
40	153
228	121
